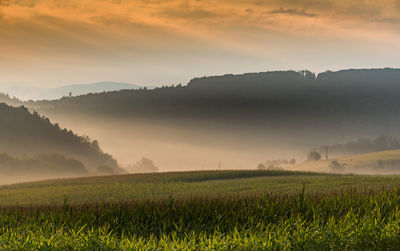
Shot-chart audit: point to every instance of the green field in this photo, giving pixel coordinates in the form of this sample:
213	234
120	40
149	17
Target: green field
384	162
212	210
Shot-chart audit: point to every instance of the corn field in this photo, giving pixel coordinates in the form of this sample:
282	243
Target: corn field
347	219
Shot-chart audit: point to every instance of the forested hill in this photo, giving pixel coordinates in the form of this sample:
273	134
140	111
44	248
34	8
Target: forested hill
281	93
348	99
23	132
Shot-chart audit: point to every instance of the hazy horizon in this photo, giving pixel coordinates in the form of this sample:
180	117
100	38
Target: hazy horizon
21	87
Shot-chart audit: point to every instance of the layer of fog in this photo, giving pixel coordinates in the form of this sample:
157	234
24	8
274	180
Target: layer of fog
202	146
205	146
183	148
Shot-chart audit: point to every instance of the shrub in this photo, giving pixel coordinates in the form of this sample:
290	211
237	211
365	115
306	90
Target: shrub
314	156
145	165
261	167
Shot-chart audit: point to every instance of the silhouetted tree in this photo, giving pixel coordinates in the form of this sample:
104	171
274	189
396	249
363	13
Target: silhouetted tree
261	167
314	156
336	165
145	165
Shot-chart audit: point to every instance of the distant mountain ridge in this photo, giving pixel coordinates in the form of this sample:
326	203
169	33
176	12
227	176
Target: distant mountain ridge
36	93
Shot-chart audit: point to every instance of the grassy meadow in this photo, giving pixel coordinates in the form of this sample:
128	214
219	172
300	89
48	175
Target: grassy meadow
210	210
384	162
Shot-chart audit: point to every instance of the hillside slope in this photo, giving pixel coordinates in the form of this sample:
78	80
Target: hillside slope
239	120
23	132
180	185
384	162
332	101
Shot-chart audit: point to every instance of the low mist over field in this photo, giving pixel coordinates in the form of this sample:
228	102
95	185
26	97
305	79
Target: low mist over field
235	121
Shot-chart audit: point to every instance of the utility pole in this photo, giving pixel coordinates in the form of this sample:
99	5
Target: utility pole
219	165
326	152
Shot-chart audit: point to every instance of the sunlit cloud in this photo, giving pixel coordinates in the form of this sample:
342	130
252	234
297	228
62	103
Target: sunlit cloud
114	33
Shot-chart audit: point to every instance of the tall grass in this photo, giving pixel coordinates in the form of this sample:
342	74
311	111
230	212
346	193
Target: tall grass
351	219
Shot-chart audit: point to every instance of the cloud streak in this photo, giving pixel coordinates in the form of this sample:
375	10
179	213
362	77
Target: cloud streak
158	32
193	14
295	12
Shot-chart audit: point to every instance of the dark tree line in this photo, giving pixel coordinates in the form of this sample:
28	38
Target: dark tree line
380	143
24	132
345	103
354	95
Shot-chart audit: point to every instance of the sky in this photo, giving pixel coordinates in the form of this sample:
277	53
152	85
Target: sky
49	43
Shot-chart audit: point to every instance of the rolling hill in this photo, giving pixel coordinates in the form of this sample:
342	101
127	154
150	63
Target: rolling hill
23	132
381	163
328	102
240	120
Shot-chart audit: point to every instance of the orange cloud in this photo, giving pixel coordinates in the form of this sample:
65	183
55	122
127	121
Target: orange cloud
131	31
208	15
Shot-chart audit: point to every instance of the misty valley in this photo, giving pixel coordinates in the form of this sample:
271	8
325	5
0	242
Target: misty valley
225	122
257	161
